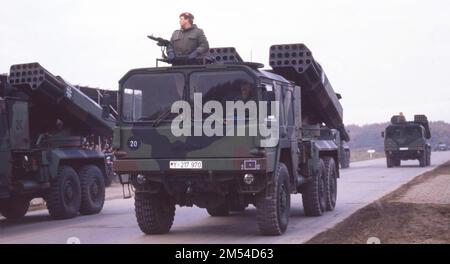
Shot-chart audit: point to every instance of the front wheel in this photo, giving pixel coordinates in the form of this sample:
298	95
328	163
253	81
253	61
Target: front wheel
154	212
389	162
274	204
423	159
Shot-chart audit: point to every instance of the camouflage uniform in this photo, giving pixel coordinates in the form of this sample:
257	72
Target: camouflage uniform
186	41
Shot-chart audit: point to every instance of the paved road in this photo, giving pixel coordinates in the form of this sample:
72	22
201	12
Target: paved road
363	183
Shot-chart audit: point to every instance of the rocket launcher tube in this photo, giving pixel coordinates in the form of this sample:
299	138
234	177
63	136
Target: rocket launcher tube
35	79
320	104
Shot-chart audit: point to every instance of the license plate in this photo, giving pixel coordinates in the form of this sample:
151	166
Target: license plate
404	148
186	164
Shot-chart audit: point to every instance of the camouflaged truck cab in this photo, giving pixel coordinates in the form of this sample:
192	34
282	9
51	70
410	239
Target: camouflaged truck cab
226	172
407	140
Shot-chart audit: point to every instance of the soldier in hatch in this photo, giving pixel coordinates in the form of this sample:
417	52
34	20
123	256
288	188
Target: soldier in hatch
188	41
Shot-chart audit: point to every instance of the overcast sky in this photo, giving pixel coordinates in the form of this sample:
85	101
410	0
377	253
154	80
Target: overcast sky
383	56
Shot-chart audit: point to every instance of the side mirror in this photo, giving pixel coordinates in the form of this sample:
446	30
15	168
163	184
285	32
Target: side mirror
382	134
106	104
339	96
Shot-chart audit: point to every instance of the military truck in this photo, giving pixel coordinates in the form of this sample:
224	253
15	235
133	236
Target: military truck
43	120
441	147
226	173
343	148
407	140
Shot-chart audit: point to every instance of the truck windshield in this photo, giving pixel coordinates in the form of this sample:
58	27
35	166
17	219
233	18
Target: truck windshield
226	86
148	97
406	131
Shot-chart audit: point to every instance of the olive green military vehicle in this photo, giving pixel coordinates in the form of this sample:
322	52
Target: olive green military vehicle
407	140
226	172
43	120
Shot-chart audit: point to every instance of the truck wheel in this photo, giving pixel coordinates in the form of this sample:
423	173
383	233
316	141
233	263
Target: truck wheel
273	211
92	189
14	208
314	194
154	212
222	210
331	183
389	162
345	162
423	159
64	197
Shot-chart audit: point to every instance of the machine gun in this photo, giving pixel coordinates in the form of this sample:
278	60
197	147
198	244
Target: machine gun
160	41
183	59
164	44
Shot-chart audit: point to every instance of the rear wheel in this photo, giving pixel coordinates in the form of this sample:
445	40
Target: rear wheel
345	160
331	183
64	196
92	189
314	193
14	208
274	204
154	212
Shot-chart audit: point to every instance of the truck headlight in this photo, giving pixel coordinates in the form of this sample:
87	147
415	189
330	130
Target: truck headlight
249	178
141	179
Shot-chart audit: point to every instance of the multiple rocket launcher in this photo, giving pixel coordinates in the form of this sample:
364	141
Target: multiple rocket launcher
45	88
320	104
295	62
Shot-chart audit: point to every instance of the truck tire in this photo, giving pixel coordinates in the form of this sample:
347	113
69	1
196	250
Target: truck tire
92	189
14	208
222	210
331	183
313	195
154	212
345	163
273	211
64	197
389	162
423	159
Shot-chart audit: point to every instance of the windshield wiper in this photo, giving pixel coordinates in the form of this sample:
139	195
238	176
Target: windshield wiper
161	117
